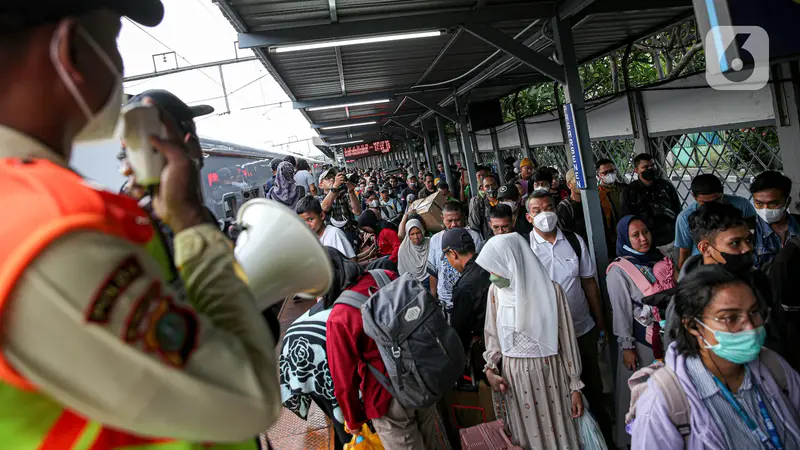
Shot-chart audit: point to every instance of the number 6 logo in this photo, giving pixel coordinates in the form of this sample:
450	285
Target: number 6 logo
737	58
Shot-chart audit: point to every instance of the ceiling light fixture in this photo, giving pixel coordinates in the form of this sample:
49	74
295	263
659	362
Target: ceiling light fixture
347	105
346	143
356	41
358	124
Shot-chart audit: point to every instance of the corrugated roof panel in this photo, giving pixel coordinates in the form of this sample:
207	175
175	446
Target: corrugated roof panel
309	74
397	66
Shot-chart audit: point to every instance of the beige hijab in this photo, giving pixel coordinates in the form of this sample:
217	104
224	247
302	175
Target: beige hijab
412	258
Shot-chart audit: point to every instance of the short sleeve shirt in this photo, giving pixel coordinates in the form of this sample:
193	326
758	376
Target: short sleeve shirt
566	269
683	237
438	266
334	237
305	179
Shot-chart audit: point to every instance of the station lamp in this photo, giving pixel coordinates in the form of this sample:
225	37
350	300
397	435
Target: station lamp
356	41
348	105
357	124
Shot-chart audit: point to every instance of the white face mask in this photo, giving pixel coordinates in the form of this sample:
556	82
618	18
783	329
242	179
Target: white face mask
771	215
373	204
512	205
545	221
611	178
541	189
100	125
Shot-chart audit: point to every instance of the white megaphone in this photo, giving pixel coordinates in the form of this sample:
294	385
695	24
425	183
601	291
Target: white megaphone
280	255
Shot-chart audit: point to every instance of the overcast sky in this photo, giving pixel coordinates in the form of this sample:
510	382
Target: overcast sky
198	32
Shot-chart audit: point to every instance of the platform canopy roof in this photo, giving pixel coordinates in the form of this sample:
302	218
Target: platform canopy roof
478	49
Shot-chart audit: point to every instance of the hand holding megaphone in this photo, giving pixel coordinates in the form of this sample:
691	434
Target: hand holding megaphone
156	153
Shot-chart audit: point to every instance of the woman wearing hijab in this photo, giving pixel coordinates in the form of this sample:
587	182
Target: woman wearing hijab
413	255
639	271
286	190
304	372
529	330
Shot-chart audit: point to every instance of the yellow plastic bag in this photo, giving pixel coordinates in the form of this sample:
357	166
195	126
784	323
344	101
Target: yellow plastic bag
364	440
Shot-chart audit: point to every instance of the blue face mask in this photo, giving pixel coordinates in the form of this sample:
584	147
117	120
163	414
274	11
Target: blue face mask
740	347
499	281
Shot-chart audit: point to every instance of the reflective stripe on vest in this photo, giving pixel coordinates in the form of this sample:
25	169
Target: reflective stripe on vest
47	201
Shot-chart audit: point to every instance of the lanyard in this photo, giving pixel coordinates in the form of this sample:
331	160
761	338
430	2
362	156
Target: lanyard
771	442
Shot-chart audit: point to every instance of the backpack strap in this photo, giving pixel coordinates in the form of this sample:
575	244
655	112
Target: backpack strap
380	277
351	298
572	238
677	403
385	382
770	359
633	272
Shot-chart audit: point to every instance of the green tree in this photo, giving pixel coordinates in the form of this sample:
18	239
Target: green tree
663	56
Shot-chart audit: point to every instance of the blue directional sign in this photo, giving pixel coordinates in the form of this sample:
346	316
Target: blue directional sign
574	146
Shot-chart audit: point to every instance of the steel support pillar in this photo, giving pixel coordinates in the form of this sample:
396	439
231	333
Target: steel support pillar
444	149
469	157
428	151
641	136
573	92
523	140
412	155
496	148
786	103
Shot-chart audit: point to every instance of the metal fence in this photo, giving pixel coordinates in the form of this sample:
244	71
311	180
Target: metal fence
735	156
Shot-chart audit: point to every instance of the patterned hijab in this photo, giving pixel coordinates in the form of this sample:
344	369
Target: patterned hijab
285	189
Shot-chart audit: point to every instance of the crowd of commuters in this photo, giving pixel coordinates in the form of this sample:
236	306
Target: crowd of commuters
512	270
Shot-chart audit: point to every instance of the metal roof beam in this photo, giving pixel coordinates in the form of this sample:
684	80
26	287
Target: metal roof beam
446	113
379	26
334	13
415	131
340	67
518	50
614	6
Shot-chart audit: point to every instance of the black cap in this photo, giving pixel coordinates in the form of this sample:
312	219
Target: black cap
183	114
508	191
147	12
457	239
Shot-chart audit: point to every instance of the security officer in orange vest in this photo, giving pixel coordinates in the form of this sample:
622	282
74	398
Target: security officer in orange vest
97	351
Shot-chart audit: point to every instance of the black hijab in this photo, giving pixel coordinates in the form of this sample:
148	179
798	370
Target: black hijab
369	219
345	274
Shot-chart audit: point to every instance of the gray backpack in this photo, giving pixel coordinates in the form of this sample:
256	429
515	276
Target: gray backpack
422	353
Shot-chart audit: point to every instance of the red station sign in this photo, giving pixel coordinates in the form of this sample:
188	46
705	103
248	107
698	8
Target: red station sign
368	149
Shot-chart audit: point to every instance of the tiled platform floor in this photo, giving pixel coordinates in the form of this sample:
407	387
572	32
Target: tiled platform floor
291	432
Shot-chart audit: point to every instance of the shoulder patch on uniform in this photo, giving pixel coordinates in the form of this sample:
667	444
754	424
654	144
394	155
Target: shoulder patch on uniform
163	326
117	282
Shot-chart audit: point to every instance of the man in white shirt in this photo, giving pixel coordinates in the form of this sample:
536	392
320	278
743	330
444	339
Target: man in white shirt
567	260
443	275
310	210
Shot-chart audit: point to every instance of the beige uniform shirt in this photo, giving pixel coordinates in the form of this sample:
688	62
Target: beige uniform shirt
112	360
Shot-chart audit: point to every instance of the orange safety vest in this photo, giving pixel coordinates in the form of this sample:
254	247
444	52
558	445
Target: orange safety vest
48	201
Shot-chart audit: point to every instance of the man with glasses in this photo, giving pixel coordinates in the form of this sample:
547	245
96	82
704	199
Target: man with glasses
652	198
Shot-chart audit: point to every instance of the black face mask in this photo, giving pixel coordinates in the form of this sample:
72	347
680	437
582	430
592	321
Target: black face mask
649	175
740	264
491	193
